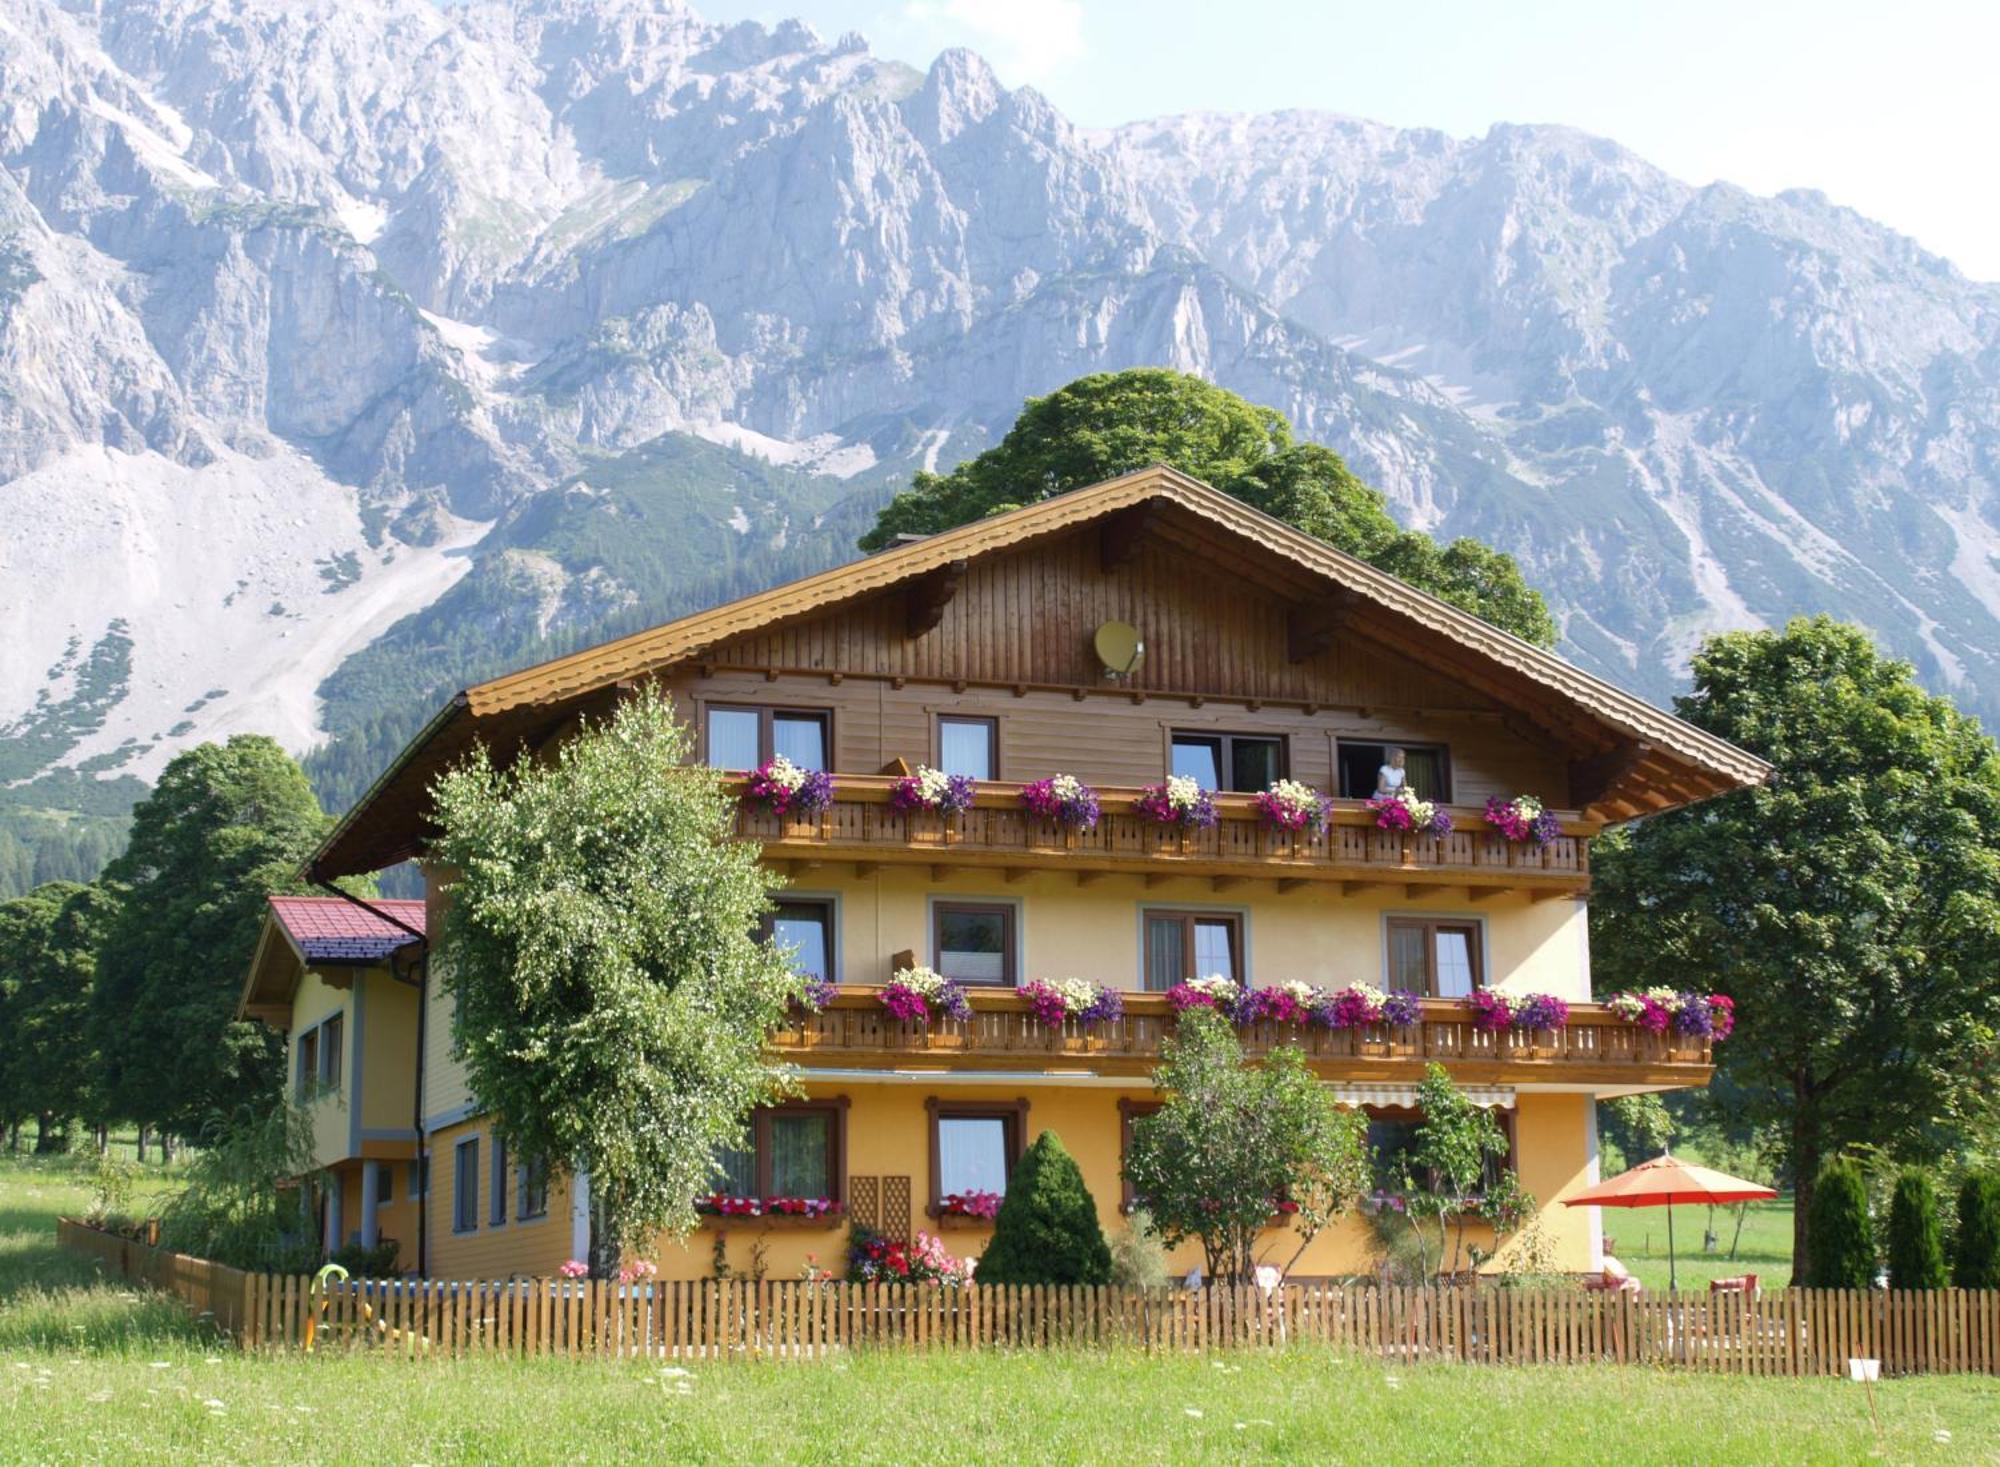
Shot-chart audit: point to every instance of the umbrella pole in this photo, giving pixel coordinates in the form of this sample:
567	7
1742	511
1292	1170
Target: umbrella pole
1673	1276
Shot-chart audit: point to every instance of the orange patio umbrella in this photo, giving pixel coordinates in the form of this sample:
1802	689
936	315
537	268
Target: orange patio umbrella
1662	1182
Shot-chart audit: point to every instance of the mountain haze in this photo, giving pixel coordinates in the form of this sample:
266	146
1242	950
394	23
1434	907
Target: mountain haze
348	351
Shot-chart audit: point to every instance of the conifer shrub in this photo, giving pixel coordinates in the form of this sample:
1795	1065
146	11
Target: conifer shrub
1840	1238
1047	1231
1916	1243
1976	1256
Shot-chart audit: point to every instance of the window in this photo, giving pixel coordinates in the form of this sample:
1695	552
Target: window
974	942
496	1205
465	1187
969	746
1229	761
385	1184
1128	1112
974	1145
330	1036
531	1190
742	737
1426	769
1432	958
796	1149
1392	1136
805	927
1184	945
308	1063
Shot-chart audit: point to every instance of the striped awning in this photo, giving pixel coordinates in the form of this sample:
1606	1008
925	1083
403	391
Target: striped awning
1405	1096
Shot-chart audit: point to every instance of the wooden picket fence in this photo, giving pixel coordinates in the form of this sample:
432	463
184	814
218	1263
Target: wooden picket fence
1793	1332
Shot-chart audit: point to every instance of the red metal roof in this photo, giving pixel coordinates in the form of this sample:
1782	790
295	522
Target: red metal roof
329	929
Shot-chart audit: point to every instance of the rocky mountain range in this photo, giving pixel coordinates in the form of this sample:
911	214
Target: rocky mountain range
349	350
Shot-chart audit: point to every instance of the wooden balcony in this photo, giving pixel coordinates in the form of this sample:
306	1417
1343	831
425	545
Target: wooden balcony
1596	1047
861	826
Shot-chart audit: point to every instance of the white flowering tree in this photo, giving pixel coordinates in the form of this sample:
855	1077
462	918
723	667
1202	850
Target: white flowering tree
601	941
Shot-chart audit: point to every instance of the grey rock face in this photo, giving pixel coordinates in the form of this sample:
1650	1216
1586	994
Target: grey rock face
434	260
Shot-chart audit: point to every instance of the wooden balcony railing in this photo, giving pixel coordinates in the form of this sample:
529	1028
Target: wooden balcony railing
1595	1047
861	825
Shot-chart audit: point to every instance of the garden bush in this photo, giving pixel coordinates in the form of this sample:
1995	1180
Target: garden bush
1839	1234
1047	1231
1137	1259
1916	1246
1976	1258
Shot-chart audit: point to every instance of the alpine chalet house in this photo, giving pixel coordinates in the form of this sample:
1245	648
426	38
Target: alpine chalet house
1233	693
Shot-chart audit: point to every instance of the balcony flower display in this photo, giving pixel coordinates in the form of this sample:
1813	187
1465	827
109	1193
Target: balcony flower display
1656	1010
1213	992
1054	1000
985	1206
1062	799
1522	819
1401	1009
1357	1006
1285	804
1283	1003
814	994
1491	1013
1180	802
721	1205
932	789
780	786
1404	812
919	995
1541	1011
872	1258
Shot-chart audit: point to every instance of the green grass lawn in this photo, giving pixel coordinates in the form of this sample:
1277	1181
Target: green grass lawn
91	1371
1764	1249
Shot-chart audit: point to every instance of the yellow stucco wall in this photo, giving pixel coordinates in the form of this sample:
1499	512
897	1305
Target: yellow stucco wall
1313	935
534	1247
388	1053
312	1005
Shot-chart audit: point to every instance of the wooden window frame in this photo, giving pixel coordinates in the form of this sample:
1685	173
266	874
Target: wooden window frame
1442	750
332	1032
1430	927
768	930
1225	763
527	1176
767	715
459	1192
308	1064
937	1108
1189	916
992	723
1010	938
835	1108
1130	1110
1410	1115
497	1182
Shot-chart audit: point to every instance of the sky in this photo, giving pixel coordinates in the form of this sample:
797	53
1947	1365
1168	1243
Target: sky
1890	109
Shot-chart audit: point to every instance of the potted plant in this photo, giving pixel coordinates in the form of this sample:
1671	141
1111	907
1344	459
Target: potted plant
1538	1017
1178	804
782	789
945	795
1409	817
918	997
1064	802
1290	809
1523	820
1059	1002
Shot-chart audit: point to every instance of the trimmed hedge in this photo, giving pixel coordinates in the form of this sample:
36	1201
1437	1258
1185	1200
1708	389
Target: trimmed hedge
1047	1231
1976	1259
1839	1235
1916	1242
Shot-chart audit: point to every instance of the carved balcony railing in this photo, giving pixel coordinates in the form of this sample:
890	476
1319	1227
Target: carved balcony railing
862	826
1595	1047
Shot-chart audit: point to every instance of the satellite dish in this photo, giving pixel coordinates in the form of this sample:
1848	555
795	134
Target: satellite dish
1119	647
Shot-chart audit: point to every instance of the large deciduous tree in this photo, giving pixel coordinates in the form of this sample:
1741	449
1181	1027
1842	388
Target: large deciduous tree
228	825
600	938
48	958
1851	906
1234	1144
1113	422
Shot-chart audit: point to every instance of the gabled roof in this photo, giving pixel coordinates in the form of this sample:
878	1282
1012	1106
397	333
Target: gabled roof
327	929
1624	742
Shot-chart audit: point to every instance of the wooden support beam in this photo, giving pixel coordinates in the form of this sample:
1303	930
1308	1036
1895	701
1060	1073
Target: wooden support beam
939	870
1350	888
1485	893
865	869
1090	878
1554	894
1590	780
1015	875
1124	532
1224	883
929	595
1289	884
1157	878
1417	890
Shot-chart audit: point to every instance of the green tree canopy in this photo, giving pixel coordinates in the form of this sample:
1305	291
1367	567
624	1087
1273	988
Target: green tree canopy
1047	1231
1851	906
228	825
1232	1144
48	960
1114	422
600	938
